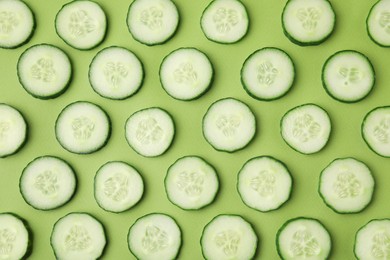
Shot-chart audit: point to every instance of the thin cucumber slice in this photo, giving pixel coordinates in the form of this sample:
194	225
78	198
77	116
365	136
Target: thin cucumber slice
268	74
44	71
306	128
16	237
346	185
47	182
376	130
13	130
378	23
152	22
155	236
118	187
303	238
225	21
17	23
82	127
228	237
372	240
186	73
116	73
348	76
191	183
78	235
308	22
229	125
264	183
82	24
150	131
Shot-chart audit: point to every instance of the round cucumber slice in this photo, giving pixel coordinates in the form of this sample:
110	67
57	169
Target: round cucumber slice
378	23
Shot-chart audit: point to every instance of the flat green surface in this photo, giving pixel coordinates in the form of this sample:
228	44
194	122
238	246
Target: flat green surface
265	30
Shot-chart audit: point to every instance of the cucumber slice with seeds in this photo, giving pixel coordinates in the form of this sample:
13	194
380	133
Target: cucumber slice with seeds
346	185
308	22
225	21
47	183
17	23
186	73
378	23
348	76
116	73
82	24
152	22
44	71
376	130
306	128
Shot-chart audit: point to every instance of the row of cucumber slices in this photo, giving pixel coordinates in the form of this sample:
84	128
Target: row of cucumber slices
79	235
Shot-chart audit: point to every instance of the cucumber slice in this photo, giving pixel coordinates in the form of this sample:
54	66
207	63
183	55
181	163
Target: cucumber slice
346	185
17	23
150	131
372	241
44	71
376	130
118	187
306	128
116	73
378	23
82	127
348	76
154	236
191	183
308	22
264	183
303	238
268	74
225	21
82	24
152	22
13	130
16	237
229	125
228	237
186	73
47	183
78	235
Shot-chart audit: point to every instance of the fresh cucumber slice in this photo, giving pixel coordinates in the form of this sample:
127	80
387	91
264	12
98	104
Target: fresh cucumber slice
228	237
348	76
264	183
82	24
308	22
118	186
44	71
191	183
13	130
306	128
78	235
82	127
225	21
372	241
376	130
150	131
268	74
378	23
346	185
155	236
303	238
186	73
152	22
17	23
16	237
116	73
229	125
47	183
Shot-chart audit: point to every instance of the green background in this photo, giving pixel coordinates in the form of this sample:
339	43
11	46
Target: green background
265	30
